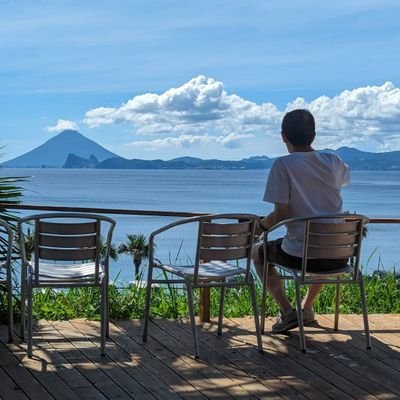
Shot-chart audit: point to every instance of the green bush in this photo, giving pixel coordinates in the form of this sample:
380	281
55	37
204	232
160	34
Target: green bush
383	296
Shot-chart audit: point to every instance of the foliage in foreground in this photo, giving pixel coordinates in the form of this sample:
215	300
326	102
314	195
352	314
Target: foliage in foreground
383	296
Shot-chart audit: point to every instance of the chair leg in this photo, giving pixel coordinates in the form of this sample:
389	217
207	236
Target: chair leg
30	317
23	309
192	320
256	316
107	306
103	316
364	310
10	307
300	314
337	304
147	308
263	299
221	310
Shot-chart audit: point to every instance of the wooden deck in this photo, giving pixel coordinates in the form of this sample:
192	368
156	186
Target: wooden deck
67	363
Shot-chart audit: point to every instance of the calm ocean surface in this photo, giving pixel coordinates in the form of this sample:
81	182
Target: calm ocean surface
373	193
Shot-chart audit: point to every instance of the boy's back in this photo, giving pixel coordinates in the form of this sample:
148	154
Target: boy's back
309	183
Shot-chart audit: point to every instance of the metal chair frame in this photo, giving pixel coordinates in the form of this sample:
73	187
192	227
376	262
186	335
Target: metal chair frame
64	239
328	237
217	243
6	238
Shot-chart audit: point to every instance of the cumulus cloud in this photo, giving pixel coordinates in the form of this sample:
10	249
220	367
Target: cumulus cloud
356	116
201	111
231	140
200	107
62	125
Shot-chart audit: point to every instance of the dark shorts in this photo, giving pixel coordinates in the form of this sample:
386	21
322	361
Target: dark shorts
277	256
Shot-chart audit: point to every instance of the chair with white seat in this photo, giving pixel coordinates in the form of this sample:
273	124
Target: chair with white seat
67	253
223	259
329	237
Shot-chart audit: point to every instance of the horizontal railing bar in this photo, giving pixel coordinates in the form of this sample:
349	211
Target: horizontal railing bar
154	213
95	210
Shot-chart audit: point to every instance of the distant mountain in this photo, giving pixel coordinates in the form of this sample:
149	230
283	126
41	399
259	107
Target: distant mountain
70	149
364	161
54	152
356	159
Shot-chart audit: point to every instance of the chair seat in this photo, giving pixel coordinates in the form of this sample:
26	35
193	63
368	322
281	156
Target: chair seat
67	273
207	271
338	271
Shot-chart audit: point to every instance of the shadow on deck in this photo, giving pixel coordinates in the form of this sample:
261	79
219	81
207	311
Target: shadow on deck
67	362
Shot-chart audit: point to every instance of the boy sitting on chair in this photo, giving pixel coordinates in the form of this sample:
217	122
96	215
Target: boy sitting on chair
305	183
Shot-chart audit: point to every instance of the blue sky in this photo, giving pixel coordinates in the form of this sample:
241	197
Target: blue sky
163	79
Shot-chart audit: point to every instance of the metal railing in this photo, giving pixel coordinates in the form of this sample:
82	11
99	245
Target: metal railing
154	213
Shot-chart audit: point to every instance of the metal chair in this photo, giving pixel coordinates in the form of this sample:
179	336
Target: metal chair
67	253
221	239
328	237
6	243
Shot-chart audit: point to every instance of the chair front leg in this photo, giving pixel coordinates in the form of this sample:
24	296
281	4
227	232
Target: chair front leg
23	305
263	299
103	315
147	304
364	310
189	290
10	306
221	310
29	290
256	316
299	313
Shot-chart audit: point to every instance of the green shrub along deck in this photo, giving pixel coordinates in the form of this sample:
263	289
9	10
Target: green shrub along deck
383	296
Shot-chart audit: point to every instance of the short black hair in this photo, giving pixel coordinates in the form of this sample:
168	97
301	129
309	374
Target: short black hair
299	127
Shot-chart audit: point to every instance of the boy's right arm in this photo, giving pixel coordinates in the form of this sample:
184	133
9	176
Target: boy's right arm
280	213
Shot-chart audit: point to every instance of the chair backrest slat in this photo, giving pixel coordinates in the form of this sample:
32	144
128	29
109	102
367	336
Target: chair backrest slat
67	241
224	254
334	227
341	239
88	254
332	252
225	241
212	228
56	228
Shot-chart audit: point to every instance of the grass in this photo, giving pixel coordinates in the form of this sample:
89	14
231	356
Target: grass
383	296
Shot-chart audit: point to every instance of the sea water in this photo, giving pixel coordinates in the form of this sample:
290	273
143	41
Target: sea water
373	193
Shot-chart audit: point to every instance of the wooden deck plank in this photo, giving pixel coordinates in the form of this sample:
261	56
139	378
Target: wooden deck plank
143	383
98	369
184	367
161	366
318	362
210	375
56	345
67	362
230	360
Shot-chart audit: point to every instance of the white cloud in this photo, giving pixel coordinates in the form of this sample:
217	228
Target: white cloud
356	116
201	112
230	141
62	125
199	105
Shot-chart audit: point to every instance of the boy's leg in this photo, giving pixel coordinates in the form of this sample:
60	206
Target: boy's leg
274	283
312	293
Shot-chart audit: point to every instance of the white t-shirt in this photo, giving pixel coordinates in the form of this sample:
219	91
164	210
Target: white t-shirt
310	183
